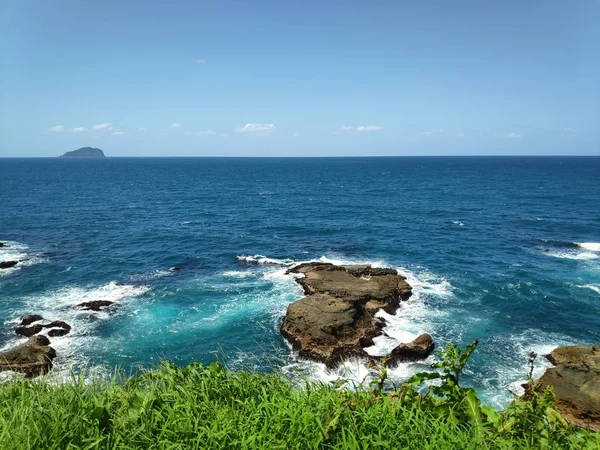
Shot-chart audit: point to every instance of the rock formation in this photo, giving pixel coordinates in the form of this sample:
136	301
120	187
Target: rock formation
335	319
34	357
95	305
8	264
576	383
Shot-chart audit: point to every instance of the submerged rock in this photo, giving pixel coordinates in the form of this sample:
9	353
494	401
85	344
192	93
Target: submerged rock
31	358
58	328
2	244
576	383
95	305
8	264
335	319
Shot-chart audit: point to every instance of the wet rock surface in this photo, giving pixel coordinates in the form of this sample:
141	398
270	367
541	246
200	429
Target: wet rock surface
28	320
34	357
8	264
335	320
576	383
96	305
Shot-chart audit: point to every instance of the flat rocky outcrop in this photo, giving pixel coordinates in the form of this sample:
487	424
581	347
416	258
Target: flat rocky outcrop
95	305
576	383
34	357
335	319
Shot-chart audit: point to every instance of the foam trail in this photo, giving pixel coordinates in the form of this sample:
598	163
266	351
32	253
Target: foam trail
262	259
592	287
572	255
15	251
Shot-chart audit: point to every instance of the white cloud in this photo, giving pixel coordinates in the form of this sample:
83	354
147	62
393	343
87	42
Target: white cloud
369	128
142	129
117	133
346	128
57	128
432	132
512	135
78	129
200	133
175	125
261	129
200	61
295	134
460	135
102	126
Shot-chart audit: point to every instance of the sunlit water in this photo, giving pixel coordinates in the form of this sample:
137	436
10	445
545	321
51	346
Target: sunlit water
506	250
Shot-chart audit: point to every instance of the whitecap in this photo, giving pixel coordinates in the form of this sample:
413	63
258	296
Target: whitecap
592	246
592	287
572	255
262	259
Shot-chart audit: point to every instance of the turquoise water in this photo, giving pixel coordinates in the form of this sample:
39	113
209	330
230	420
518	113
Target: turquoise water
503	249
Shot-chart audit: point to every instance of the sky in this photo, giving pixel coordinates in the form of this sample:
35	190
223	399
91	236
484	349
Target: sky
305	78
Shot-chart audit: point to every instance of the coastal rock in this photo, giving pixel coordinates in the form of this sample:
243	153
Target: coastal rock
29	331
58	328
31	358
335	319
420	348
2	244
8	264
95	305
576	383
28	320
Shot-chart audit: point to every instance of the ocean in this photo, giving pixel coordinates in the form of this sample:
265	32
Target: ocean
501	249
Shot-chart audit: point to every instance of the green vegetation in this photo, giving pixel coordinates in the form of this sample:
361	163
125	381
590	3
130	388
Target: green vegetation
212	407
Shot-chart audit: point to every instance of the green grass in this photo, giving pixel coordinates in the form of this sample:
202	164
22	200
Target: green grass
212	407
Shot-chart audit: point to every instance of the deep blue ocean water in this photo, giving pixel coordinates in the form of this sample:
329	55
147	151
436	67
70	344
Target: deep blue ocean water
502	249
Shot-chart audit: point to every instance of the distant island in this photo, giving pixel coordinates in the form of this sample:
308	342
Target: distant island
85	152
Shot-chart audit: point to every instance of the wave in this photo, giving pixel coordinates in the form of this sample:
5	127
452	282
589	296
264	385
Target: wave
592	246
572	255
262	259
592	287
73	349
16	251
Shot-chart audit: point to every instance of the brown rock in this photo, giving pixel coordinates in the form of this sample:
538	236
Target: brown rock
31	358
420	348
28	320
29	331
95	305
336	318
576	383
8	264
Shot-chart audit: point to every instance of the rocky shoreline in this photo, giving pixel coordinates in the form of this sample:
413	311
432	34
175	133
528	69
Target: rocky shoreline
336	319
576	383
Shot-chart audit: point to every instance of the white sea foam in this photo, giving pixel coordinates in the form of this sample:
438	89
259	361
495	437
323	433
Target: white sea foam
593	287
261	259
592	246
237	274
572	255
458	222
15	251
59	304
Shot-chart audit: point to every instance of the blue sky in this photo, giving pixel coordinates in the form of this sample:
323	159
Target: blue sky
279	78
